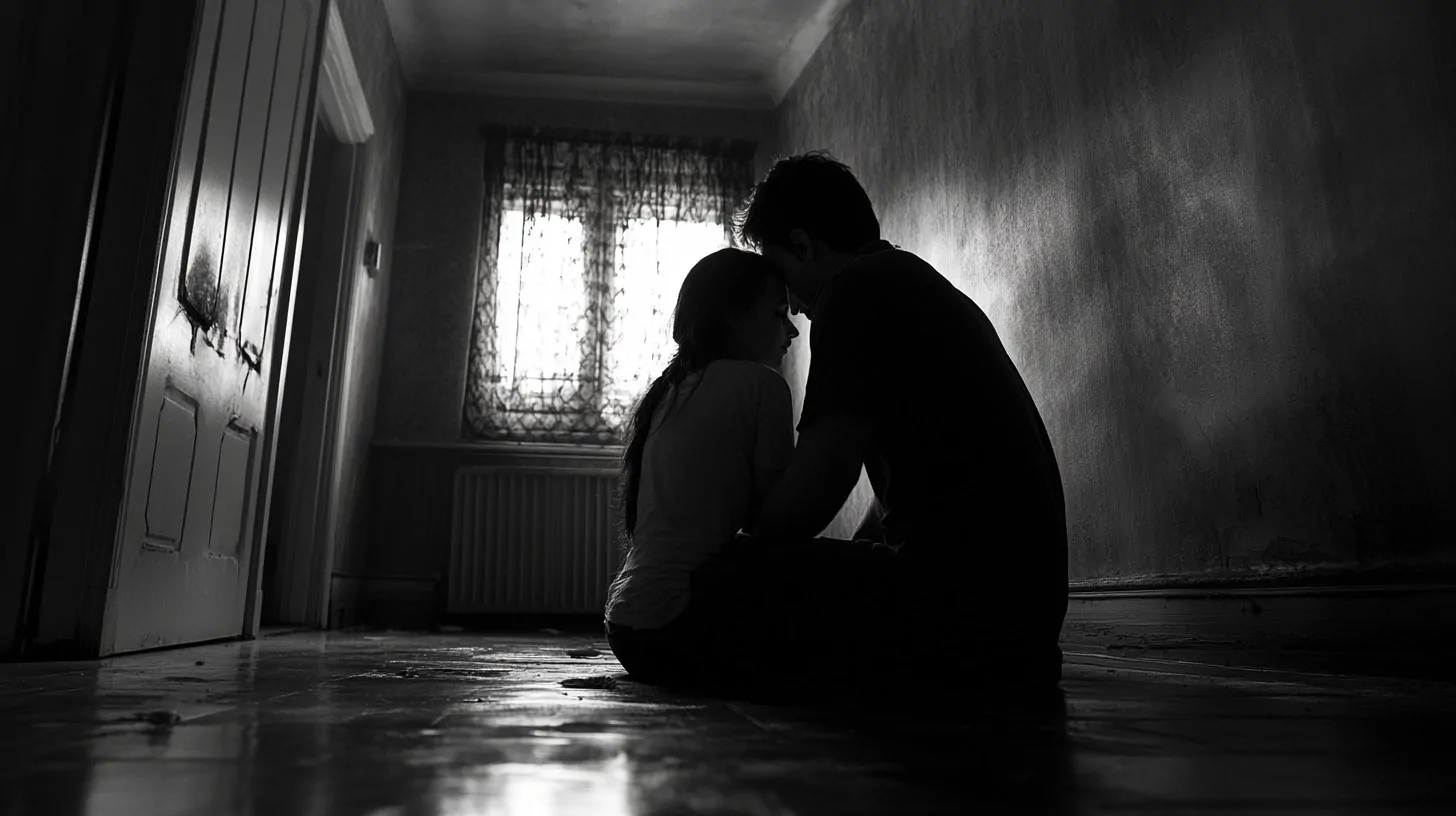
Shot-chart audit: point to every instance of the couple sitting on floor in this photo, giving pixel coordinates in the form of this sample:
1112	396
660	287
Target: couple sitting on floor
962	558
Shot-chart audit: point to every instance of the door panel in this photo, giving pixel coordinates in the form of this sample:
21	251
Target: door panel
252	129
268	225
171	471
196	459
231	500
208	228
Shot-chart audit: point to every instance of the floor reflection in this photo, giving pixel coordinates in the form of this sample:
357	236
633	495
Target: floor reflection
589	789
402	725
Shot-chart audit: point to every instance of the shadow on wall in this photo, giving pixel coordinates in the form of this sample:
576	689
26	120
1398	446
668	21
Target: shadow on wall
370	40
1211	235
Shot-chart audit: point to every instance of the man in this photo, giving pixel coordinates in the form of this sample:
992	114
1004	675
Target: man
909	379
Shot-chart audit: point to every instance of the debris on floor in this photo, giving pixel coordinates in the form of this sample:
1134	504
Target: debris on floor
600	681
321	717
588	652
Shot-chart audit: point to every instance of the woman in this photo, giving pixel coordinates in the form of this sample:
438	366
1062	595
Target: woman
705	444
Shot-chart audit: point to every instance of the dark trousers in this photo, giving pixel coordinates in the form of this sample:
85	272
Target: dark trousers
770	617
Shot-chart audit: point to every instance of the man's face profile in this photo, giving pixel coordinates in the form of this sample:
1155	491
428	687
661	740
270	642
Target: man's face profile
795	276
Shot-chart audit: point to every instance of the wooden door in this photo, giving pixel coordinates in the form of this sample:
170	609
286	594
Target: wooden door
197	455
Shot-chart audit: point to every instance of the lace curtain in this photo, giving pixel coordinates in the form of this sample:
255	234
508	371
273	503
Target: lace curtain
586	238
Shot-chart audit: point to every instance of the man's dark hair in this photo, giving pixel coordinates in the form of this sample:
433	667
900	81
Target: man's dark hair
813	192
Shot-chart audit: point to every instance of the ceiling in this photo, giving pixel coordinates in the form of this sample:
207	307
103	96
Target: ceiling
729	53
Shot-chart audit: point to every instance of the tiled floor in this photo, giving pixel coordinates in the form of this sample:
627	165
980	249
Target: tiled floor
454	724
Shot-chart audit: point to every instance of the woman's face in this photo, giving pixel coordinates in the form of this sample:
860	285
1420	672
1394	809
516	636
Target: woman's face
765	331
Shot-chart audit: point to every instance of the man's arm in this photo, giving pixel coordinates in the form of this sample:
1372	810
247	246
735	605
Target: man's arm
774	446
851	349
824	469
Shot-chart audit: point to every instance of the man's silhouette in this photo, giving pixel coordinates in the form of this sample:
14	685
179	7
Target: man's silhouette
909	379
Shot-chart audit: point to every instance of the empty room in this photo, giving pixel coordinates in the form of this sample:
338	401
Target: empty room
728	407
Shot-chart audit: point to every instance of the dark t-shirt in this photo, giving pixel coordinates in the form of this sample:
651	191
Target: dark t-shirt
959	456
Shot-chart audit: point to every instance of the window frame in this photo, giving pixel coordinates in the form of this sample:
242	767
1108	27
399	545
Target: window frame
599	210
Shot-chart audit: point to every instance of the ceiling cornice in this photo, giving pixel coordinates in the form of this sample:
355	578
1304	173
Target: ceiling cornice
755	96
744	95
802	49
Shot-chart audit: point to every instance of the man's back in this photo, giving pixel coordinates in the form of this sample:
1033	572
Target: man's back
959	455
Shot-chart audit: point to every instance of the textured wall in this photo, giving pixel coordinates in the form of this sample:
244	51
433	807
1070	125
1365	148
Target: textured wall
367	29
440	197
1214	236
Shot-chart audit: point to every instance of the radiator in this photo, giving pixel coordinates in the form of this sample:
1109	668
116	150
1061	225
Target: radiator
532	540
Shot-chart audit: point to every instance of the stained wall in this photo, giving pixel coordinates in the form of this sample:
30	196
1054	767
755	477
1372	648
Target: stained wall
1216	237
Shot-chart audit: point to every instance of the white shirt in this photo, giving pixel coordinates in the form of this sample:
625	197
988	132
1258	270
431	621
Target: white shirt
715	446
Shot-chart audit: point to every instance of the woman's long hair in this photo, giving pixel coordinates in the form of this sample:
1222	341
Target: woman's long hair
723	284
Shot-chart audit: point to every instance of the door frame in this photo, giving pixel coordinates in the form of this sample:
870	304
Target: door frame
342	104
79	535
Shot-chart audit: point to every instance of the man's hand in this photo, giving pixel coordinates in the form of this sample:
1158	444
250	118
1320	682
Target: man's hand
824	469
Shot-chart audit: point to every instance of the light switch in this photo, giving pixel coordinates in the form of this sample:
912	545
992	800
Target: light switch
371	256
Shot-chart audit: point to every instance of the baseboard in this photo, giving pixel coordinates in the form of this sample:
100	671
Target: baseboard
1373	630
1230	592
1397	576
1239	674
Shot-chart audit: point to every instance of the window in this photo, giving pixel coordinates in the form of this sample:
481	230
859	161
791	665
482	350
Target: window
542	332
653	258
541	304
585	243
